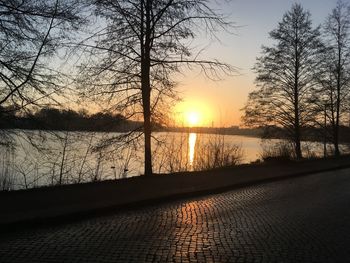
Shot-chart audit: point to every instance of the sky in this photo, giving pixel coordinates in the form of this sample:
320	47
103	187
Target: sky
219	103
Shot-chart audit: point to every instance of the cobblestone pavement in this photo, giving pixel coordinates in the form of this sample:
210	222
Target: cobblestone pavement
304	219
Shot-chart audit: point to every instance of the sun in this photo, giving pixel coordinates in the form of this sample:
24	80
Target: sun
192	113
193	118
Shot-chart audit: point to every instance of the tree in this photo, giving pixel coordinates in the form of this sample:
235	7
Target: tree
30	33
285	77
334	72
143	43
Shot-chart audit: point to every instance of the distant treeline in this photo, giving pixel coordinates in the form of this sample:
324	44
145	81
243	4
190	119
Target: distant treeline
234	130
66	119
61	119
267	132
309	133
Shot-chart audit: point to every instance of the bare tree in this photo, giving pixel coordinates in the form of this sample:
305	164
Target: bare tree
142	44
31	31
285	77
334	72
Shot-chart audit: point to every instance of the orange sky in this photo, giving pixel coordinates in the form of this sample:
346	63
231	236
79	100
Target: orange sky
219	103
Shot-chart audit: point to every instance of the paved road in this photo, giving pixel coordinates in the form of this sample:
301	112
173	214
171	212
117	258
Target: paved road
304	219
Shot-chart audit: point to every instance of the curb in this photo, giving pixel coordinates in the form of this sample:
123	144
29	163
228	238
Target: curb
57	205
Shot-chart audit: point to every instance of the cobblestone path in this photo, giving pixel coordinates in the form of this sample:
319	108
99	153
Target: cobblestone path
304	219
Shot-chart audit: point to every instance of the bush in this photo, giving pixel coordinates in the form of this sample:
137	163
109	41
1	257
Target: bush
277	152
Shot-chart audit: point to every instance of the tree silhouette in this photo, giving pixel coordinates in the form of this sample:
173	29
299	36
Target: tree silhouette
332	93
30	32
143	43
285	77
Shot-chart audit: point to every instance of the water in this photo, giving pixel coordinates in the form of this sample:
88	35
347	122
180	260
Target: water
51	158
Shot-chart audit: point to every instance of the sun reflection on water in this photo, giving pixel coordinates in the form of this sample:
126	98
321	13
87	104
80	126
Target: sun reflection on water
191	143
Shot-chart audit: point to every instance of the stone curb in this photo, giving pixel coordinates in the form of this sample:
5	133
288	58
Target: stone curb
69	202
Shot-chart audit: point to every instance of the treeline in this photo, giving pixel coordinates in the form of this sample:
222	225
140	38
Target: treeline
303	79
310	133
62	119
235	130
268	132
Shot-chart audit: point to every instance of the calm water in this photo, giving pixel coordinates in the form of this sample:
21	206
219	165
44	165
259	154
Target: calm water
71	157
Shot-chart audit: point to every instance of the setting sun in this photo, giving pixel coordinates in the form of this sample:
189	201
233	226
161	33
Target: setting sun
193	113
193	118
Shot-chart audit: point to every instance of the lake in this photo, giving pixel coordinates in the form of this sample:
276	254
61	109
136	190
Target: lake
51	158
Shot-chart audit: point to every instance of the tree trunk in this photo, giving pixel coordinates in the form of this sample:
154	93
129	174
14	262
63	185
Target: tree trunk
147	128
146	87
336	128
297	143
298	147
336	142
297	136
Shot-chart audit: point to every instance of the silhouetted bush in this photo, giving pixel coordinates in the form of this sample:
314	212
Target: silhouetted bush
278	153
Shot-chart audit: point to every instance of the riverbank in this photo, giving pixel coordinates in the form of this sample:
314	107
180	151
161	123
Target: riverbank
41	205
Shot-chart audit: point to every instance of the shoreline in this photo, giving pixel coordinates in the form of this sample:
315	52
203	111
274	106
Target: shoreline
185	130
68	202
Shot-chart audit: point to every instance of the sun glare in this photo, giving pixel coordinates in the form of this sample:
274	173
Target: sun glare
192	113
193	118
